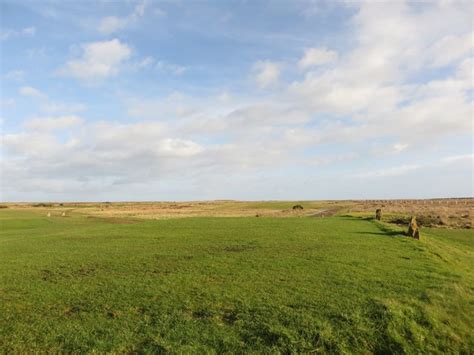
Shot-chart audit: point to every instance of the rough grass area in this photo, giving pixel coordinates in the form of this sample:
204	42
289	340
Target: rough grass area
440	213
236	285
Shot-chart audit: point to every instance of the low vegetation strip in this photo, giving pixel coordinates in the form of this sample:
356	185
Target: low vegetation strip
441	213
236	285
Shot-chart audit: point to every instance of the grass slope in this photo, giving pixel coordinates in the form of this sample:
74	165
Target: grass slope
239	285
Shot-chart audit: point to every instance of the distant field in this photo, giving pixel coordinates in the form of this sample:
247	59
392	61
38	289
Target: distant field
444	213
118	283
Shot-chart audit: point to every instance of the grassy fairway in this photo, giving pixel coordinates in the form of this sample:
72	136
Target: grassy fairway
337	284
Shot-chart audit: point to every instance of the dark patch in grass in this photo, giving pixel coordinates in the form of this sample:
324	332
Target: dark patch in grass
165	265
388	233
140	310
425	297
70	311
161	272
47	275
115	220
354	218
229	317
85	271
173	258
381	317
270	335
234	248
113	314
439	256
203	313
238	248
56	275
149	346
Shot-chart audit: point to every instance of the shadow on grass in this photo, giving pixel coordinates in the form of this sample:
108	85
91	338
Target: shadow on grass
384	229
347	217
389	233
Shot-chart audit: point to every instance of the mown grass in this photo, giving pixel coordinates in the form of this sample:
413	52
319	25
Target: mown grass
235	285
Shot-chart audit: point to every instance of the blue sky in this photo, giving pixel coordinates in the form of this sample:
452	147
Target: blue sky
192	100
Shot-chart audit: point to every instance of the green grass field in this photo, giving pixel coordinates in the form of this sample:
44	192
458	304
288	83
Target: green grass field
235	285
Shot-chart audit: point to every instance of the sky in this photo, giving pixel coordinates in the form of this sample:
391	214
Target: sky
251	100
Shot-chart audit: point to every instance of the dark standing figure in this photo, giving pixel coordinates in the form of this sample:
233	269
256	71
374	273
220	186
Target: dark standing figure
413	229
378	214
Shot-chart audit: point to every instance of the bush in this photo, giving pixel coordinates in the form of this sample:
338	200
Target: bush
422	220
297	207
43	205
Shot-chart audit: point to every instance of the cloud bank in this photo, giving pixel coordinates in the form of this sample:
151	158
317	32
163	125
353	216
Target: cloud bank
387	116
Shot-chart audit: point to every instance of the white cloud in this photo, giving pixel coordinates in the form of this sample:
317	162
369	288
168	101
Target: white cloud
465	72
326	160
159	12
16	75
317	56
451	48
146	62
224	97
179	147
29	31
372	83
161	66
137	152
267	73
30	91
465	159
111	24
393	171
171	68
49	106
53	123
6	102
49	12
400	147
99	60
25	32
173	106
28	146
53	107
37	53
382	96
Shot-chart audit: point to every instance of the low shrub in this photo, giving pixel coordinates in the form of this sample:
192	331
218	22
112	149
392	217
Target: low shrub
422	220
